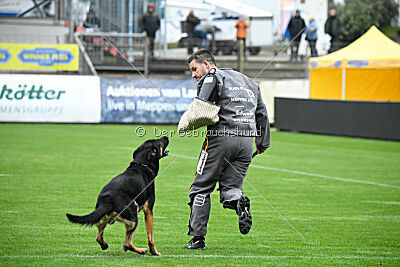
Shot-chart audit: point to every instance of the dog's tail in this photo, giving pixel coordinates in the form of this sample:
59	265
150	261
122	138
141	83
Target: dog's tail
92	218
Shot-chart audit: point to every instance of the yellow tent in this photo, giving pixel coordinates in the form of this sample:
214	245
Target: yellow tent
366	70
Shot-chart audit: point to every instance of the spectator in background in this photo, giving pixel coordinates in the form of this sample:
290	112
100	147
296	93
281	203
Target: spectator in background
150	23
296	26
333	27
191	22
241	33
311	35
201	31
91	20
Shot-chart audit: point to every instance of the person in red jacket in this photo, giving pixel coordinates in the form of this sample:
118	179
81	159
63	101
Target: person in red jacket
150	23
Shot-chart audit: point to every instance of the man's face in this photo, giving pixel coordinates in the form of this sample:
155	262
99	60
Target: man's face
198	70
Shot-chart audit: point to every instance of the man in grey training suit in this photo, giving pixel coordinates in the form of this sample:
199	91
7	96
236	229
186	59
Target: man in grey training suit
227	150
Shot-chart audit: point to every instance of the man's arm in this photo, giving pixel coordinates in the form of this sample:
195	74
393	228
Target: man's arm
263	141
194	20
207	89
289	26
339	30
141	22
326	26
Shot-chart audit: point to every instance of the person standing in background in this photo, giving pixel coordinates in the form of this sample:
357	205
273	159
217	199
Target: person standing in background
191	22
296	26
311	35
91	20
241	34
150	23
333	27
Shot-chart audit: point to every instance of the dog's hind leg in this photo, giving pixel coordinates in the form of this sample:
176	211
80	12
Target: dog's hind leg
130	227
149	228
101	226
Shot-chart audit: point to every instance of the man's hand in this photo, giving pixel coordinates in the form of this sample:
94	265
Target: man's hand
260	150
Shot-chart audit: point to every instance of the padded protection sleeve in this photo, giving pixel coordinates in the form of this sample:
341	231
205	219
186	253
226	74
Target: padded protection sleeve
200	113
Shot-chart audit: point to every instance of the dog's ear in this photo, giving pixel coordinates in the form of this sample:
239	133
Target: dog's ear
142	152
136	152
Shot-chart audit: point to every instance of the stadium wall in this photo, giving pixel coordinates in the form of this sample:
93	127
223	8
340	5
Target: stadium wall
49	98
140	100
91	99
349	118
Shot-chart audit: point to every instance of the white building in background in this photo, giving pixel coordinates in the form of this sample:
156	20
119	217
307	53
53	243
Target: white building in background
281	10
177	11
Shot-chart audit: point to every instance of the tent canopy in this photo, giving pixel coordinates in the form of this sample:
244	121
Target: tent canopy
366	70
372	50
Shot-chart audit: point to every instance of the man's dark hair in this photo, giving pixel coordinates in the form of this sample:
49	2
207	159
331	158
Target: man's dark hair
202	54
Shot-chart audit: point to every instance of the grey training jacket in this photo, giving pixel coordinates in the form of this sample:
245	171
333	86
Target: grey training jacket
243	113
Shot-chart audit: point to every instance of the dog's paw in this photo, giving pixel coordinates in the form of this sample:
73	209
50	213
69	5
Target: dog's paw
135	249
104	246
155	253
141	250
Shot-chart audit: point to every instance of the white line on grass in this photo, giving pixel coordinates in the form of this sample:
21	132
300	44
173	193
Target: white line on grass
383	202
5	174
308	174
326	176
361	257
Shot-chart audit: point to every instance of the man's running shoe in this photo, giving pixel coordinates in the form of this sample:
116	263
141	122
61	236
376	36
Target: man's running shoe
243	211
196	243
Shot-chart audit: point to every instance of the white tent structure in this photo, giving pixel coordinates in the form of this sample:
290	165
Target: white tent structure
176	11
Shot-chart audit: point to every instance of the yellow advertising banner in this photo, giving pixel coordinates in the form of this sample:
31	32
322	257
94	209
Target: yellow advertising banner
18	56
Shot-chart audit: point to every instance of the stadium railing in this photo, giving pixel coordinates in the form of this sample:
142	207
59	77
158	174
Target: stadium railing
113	51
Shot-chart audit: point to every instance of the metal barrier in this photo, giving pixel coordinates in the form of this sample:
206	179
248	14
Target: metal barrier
114	51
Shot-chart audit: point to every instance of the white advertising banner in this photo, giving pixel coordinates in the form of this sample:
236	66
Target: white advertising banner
49	98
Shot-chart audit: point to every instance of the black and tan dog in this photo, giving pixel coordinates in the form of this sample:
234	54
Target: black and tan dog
128	193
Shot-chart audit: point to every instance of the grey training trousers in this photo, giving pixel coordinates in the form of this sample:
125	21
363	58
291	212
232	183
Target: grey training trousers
213	167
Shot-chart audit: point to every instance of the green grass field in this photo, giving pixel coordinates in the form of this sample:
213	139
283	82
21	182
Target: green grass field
342	194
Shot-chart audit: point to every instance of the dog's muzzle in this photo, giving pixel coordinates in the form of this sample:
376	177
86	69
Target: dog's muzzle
165	153
165	142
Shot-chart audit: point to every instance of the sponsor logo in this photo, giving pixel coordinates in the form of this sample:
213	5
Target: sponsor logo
45	56
337	64
202	162
199	200
4	56
35	92
314	64
358	63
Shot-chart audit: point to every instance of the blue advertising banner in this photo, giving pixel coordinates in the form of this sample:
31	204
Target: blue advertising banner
140	100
